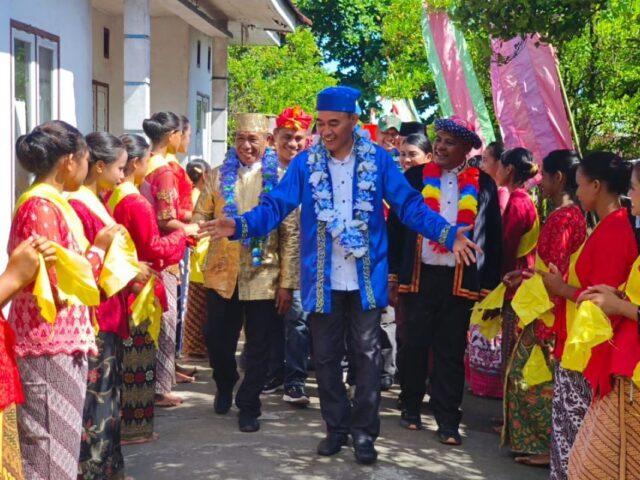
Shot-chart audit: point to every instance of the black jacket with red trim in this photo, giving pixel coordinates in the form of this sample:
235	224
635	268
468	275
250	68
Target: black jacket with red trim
405	246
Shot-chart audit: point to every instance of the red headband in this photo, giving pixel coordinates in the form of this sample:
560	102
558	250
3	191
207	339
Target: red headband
294	118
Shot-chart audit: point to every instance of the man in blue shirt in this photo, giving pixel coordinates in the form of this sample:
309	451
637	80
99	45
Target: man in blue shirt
341	184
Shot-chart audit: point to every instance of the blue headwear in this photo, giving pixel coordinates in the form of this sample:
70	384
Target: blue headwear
338	99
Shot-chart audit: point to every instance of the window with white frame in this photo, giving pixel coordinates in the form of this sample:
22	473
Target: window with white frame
35	57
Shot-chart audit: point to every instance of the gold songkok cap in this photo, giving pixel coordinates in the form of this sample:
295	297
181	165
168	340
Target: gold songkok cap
252	122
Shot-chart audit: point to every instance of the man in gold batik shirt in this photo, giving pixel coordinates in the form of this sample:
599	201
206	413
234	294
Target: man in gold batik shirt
251	281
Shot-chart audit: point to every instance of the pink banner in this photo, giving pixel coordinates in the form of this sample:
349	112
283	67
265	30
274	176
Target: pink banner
527	97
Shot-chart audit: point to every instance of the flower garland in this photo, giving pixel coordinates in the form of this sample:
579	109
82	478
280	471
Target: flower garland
468	188
352	235
228	179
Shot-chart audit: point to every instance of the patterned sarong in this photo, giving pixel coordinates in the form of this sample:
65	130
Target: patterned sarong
166	366
194	343
50	419
607	446
10	458
138	387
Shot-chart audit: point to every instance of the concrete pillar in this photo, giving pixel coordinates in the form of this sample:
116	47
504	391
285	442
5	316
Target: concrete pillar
137	64
219	100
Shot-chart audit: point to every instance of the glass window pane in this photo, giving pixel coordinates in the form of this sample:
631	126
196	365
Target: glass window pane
45	83
22	86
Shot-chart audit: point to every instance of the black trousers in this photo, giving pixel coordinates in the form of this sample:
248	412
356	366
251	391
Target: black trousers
436	320
225	318
362	330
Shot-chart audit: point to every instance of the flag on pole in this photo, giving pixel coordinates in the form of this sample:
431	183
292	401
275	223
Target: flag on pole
527	96
456	82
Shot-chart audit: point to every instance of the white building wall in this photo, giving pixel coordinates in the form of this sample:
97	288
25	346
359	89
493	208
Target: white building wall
169	64
200	83
110	71
71	21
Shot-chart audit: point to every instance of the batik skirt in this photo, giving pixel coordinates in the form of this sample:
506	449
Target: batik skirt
484	363
138	387
166	366
571	399
100	452
607	446
50	419
527	409
194	343
10	457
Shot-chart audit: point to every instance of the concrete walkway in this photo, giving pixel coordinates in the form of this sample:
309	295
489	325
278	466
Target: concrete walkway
197	444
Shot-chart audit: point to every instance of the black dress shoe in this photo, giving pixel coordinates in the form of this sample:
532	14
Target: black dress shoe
248	424
364	450
332	444
222	403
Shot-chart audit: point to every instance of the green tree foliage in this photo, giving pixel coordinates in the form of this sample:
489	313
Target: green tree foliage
349	33
268	79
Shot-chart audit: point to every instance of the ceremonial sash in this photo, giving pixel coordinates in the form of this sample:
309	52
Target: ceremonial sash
75	281
587	325
198	257
531	301
120	192
146	305
632	291
489	327
155	162
121	261
170	157
529	240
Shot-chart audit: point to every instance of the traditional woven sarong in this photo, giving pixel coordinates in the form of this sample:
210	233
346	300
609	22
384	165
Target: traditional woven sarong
138	388
194	343
166	366
100	452
50	419
527	409
571	399
607	446
11	460
509	335
484	364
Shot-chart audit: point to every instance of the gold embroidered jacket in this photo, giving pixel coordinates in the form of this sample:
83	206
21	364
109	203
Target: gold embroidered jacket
229	262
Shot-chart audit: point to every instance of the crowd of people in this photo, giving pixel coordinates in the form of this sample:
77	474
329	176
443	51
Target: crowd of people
394	257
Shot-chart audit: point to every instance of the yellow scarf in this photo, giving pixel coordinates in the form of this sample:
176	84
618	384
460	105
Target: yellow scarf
531	301
120	192
146	305
489	327
529	240
121	261
75	281
155	162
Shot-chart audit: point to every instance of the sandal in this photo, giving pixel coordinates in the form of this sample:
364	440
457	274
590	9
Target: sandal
449	437
187	371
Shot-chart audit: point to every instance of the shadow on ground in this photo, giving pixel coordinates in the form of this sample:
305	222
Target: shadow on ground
196	444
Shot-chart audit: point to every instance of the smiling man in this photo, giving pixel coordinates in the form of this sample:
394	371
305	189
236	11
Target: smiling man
341	184
437	292
248	282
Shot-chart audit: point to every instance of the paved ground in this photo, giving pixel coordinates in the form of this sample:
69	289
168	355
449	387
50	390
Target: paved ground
197	444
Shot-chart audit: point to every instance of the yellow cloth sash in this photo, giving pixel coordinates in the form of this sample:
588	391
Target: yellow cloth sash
529	240
147	306
120	192
489	327
198	257
121	261
75	281
632	287
43	190
531	301
536	370
590	328
170	157
155	162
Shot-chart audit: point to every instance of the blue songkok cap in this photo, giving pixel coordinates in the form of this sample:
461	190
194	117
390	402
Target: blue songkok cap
338	99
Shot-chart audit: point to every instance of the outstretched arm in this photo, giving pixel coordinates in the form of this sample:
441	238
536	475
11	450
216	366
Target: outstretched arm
410	208
272	210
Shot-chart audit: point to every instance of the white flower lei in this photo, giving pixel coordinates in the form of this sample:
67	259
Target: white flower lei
351	234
